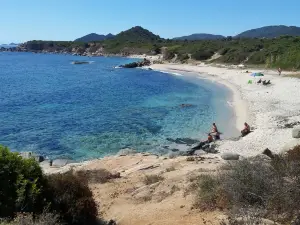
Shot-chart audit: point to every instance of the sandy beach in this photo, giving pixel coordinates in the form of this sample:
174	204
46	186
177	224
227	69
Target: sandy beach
268	109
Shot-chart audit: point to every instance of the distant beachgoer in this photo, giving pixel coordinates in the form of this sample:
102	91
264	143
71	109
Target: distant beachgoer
279	71
215	132
214	128
246	129
201	144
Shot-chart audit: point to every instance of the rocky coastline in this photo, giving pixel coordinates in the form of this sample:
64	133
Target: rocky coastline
90	50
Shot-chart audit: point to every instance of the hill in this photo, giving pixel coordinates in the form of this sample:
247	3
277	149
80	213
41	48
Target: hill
270	32
137	34
201	36
94	37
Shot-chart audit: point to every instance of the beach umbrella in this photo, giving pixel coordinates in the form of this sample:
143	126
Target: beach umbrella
257	75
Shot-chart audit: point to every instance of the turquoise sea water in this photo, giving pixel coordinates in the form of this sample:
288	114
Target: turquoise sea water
53	107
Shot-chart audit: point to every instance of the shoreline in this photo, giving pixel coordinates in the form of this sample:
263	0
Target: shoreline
268	109
240	105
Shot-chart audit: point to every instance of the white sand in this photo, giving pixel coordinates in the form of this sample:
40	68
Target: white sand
265	108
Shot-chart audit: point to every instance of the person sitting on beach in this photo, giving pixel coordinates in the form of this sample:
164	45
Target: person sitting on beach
209	138
214	128
246	130
201	144
214	132
260	80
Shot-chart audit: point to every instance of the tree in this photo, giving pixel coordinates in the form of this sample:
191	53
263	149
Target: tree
21	184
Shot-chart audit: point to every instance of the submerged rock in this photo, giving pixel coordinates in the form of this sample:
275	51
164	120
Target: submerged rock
186	105
80	62
186	141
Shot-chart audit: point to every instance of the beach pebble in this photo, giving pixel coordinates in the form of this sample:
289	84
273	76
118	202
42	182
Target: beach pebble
230	156
296	133
200	152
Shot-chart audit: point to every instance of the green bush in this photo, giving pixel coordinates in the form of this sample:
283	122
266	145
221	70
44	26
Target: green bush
24	189
183	57
22	182
72	198
202	55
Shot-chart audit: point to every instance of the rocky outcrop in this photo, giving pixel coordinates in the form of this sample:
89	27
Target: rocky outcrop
61	162
145	62
80	62
230	156
31	155
296	132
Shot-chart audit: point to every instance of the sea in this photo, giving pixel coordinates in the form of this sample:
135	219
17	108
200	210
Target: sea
50	106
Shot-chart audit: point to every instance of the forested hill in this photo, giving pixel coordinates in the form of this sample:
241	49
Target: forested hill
283	51
270	32
94	37
201	36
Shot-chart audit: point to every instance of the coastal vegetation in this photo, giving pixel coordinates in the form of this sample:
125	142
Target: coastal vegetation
283	51
267	186
26	194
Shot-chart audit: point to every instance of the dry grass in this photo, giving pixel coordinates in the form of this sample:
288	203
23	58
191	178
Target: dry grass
152	179
170	169
96	176
273	185
29	219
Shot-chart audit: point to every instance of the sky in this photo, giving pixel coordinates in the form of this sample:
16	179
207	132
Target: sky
24	20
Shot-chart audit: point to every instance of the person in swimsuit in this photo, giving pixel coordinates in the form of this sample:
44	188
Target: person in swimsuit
246	130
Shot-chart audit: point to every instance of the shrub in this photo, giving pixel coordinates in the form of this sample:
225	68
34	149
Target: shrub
22	182
43	219
168	54
223	51
183	57
209	193
151	179
273	185
72	199
248	183
170	169
202	54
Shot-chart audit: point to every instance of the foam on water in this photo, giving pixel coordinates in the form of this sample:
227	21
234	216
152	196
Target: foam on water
81	112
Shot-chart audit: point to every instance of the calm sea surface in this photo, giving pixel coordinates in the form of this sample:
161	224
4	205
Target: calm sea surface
50	106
